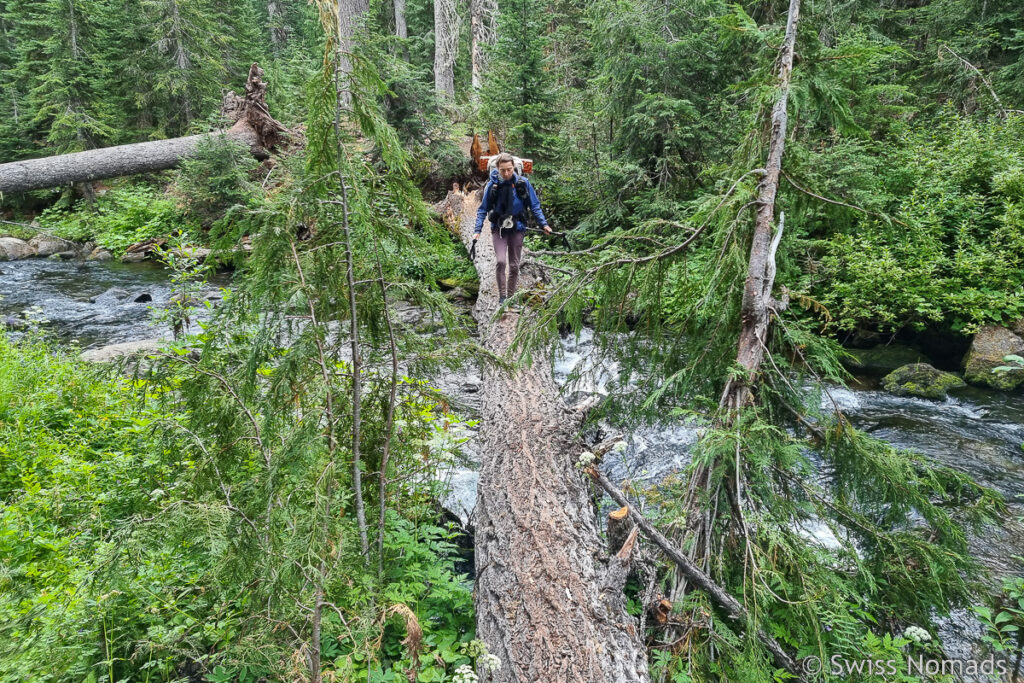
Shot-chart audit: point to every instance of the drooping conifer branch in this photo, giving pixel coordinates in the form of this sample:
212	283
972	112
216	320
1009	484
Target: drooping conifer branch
733	609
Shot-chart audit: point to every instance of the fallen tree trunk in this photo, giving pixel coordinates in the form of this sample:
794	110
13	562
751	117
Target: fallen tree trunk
549	601
254	127
757	289
109	162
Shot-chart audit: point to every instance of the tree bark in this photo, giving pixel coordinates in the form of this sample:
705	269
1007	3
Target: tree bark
761	267
401	28
549	600
278	27
110	162
446	45
482	33
254	127
350	16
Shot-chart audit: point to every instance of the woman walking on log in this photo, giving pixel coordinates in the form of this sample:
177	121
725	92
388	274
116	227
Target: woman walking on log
507	202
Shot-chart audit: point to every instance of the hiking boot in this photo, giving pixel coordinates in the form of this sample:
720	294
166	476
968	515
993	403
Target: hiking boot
502	299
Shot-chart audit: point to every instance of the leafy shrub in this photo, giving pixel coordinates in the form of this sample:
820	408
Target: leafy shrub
953	251
119	218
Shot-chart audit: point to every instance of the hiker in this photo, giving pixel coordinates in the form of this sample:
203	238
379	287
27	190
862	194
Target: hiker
508	200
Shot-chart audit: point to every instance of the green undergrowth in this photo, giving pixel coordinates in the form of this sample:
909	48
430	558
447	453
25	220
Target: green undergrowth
126	554
120	217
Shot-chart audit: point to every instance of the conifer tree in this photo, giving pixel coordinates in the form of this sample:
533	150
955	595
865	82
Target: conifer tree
55	46
519	94
183	61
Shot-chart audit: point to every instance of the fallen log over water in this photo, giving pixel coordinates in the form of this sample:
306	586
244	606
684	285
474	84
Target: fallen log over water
254	127
548	597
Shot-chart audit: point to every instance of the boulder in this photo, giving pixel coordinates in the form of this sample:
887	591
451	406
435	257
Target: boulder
134	257
921	379
12	249
1018	328
48	245
99	254
882	359
114	351
142	298
990	344
112	296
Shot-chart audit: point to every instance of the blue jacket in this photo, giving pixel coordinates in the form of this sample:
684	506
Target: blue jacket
517	204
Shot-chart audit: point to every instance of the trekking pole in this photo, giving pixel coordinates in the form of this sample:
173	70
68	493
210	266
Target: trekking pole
472	252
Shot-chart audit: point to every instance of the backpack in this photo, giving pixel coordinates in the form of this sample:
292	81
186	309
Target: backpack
524	196
517	163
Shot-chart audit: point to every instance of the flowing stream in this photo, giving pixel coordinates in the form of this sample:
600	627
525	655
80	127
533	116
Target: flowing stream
976	430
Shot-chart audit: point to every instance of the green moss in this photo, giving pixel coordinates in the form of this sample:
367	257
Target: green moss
921	379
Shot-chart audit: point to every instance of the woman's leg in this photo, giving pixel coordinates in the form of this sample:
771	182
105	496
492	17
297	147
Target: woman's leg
501	256
515	253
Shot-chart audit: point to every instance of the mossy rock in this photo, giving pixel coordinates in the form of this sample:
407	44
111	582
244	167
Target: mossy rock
990	345
921	379
450	283
883	359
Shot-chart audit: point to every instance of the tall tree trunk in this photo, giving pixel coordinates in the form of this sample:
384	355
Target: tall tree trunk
549	600
482	14
278	28
446	46
761	267
350	17
401	28
182	61
76	52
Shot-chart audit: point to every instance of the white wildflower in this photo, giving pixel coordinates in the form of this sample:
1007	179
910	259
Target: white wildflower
465	674
619	447
585	460
917	634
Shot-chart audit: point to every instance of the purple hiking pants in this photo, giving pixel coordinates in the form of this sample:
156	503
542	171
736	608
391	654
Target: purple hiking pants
508	249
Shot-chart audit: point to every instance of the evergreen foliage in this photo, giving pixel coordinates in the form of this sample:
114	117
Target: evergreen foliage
519	96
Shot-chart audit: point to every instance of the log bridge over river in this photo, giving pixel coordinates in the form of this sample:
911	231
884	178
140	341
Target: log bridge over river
549	599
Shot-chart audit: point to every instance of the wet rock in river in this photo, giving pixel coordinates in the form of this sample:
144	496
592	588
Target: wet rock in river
114	351
99	254
114	295
12	249
142	298
990	345
48	245
921	379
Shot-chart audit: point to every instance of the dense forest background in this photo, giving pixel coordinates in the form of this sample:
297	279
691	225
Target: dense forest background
266	510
